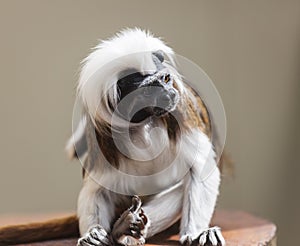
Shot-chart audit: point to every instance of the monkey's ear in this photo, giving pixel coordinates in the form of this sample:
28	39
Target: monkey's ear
160	55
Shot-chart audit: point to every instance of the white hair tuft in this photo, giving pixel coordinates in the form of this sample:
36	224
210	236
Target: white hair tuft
128	49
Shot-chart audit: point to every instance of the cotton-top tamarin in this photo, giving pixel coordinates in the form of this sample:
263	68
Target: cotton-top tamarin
142	120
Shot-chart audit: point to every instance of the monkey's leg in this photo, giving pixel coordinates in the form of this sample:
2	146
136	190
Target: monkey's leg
95	214
200	195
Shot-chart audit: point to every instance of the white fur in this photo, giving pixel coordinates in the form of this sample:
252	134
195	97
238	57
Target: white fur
93	207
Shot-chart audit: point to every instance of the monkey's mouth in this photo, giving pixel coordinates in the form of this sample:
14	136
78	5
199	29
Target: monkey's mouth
157	111
165	104
144	113
135	114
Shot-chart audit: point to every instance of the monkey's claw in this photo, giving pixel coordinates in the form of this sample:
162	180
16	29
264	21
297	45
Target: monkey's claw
212	236
131	227
95	236
209	237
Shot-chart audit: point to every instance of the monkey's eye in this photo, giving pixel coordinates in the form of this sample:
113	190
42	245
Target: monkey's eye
167	78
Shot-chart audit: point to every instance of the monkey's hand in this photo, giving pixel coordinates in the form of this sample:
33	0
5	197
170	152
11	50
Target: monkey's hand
95	236
131	228
211	236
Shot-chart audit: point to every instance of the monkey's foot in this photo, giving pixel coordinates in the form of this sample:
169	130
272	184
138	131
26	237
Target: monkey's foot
95	236
212	236
131	228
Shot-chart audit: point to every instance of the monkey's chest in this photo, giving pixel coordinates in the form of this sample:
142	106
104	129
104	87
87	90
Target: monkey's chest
156	169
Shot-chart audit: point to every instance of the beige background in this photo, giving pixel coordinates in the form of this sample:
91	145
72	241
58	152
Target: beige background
250	49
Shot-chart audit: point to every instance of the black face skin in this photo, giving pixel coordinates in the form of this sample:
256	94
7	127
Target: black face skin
160	95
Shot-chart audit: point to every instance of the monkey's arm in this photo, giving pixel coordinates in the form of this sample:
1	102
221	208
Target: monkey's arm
201	188
95	214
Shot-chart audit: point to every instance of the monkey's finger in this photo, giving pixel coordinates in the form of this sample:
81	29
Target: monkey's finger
220	236
136	204
134	227
136	234
143	217
139	223
203	238
132	231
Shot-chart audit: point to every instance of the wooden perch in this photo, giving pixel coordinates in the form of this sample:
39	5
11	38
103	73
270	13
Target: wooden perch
239	228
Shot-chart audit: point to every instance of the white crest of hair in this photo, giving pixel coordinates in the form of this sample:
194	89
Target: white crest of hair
129	49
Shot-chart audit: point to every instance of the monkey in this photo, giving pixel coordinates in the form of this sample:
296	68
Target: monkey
141	68
145	142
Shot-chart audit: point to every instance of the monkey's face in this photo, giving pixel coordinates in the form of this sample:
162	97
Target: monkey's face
148	95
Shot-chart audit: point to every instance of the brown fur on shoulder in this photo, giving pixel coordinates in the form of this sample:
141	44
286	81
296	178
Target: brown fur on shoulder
40	231
197	116
192	112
